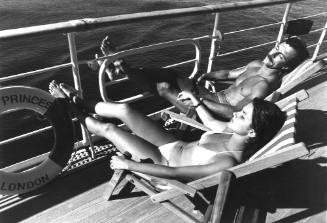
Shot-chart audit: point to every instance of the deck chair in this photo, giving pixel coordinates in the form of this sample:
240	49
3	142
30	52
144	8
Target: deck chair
279	150
295	77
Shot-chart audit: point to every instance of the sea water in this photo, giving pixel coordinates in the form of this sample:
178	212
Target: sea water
23	55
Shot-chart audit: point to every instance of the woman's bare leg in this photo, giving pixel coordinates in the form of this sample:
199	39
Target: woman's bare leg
123	140
139	123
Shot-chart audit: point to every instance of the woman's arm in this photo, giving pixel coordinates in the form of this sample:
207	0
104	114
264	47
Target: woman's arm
207	119
184	173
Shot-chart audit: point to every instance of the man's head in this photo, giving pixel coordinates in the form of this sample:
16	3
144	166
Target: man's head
288	54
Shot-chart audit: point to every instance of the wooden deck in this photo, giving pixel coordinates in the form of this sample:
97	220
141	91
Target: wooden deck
301	193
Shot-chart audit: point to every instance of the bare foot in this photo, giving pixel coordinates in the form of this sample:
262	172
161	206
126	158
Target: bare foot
107	47
116	70
163	88
55	90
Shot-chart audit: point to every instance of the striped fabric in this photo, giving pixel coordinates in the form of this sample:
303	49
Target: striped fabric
286	135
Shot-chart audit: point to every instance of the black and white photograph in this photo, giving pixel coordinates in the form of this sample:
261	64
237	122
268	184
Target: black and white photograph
163	111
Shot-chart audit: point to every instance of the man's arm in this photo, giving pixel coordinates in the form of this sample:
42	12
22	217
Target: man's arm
218	75
223	74
222	110
205	116
228	74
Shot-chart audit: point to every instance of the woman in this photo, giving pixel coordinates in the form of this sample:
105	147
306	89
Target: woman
249	129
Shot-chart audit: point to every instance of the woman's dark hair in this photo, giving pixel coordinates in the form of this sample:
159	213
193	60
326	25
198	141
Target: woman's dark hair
267	119
301	52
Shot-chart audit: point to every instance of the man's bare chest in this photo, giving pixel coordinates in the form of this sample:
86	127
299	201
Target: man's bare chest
247	83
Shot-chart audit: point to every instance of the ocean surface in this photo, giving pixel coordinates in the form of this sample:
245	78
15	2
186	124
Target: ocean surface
17	56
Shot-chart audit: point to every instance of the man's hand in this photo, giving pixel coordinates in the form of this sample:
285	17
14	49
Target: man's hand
185	95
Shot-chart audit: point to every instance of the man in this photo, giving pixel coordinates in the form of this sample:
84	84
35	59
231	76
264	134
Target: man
256	79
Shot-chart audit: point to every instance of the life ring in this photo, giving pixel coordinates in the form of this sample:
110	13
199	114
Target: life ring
23	97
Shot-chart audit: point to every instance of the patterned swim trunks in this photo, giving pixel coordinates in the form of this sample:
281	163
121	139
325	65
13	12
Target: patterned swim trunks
221	97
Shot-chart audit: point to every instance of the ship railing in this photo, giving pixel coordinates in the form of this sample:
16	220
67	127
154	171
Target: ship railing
75	26
110	58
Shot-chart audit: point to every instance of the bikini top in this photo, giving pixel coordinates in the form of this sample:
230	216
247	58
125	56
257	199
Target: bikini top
237	154
211	132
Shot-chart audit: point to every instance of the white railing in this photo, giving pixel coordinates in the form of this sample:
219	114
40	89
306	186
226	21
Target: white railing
110	58
75	26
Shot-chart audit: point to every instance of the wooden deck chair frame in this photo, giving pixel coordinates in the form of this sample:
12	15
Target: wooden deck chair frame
281	154
295	77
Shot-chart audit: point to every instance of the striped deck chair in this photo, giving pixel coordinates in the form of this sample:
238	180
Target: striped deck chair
295	77
300	96
279	150
285	136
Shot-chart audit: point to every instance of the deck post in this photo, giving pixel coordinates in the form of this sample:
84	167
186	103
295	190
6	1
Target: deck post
77	78
213	47
213	43
321	39
226	180
282	25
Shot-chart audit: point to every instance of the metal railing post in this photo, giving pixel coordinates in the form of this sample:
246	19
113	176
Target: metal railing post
74	63
282	25
321	39
212	49
213	43
77	78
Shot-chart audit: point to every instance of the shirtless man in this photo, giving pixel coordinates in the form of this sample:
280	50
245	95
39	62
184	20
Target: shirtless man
256	79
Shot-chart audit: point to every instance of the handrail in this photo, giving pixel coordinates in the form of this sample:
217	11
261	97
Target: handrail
94	23
252	28
244	49
34	72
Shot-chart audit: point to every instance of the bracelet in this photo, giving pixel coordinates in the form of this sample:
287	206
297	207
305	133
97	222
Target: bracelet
198	104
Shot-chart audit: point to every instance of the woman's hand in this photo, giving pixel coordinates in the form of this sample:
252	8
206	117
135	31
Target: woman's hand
119	162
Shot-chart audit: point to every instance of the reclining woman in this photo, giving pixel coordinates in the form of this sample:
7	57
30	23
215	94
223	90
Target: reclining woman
248	130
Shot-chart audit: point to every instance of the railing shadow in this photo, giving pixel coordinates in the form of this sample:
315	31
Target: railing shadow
312	128
300	184
314	80
301	215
